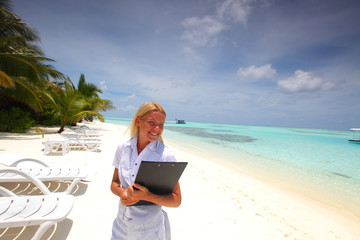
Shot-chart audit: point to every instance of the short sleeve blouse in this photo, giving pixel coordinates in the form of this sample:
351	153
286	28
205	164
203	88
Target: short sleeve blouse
127	160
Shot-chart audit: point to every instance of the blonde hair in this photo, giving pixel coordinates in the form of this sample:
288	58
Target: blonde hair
141	113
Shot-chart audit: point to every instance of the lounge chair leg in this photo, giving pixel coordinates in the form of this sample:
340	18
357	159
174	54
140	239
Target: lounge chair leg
42	229
72	185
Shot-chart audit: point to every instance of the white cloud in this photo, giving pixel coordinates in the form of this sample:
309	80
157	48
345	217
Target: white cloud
130	98
128	108
233	10
328	86
255	73
103	86
202	31
118	59
180	83
304	81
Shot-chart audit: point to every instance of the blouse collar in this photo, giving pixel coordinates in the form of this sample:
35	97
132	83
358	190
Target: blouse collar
152	146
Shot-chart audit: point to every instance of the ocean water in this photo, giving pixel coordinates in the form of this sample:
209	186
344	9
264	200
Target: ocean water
321	161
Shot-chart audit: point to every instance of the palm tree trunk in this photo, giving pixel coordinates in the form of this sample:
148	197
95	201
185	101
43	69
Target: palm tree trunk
62	126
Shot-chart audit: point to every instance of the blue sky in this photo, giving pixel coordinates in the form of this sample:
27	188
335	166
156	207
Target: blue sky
255	62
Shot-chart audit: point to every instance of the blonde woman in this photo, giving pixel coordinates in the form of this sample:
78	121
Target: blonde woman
140	214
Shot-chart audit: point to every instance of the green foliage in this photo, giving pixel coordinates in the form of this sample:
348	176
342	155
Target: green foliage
16	120
47	117
69	104
24	69
28	82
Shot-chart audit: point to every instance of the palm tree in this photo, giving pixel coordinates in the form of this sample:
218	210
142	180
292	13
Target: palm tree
23	68
69	104
90	93
26	77
88	90
103	105
97	104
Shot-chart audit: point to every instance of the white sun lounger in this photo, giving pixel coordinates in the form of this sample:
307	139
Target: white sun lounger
93	133
44	210
87	144
83	133
14	173
54	144
78	141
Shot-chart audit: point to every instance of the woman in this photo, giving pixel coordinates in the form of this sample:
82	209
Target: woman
136	219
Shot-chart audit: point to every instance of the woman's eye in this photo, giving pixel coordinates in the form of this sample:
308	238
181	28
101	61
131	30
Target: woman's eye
153	124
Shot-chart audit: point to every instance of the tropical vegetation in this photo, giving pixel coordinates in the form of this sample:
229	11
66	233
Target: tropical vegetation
29	84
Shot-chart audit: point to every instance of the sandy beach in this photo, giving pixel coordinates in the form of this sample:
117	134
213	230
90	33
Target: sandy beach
218	202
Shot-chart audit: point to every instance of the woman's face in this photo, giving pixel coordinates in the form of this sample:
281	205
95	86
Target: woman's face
151	127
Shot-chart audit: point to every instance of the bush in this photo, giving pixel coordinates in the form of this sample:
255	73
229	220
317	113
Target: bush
16	120
47	117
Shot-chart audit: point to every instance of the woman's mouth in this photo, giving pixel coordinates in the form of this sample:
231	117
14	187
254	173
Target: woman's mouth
154	134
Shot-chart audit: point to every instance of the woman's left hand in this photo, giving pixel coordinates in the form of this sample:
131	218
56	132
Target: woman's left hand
138	192
142	193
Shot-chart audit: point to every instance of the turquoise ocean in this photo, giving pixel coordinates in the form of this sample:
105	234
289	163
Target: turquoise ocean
319	163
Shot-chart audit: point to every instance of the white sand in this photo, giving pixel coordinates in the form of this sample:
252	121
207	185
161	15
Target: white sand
218	202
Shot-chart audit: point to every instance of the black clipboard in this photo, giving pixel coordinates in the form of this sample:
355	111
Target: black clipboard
160	177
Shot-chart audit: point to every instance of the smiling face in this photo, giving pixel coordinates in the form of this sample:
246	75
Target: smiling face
150	127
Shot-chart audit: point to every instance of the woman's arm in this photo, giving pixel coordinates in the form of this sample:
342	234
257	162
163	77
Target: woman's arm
170	200
121	192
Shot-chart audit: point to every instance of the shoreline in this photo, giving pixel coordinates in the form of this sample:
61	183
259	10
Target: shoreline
250	193
279	179
218	202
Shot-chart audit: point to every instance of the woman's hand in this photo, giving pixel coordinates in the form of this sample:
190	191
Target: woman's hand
124	194
138	192
131	196
126	197
170	200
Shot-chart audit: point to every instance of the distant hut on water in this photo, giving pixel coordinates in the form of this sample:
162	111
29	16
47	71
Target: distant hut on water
178	121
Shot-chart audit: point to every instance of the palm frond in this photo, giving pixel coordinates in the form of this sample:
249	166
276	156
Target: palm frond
88	90
24	92
82	114
11	24
6	81
18	65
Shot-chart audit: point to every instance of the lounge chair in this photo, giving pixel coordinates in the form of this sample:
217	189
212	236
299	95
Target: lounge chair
87	144
16	173
54	144
88	132
44	210
92	133
76	141
80	127
82	133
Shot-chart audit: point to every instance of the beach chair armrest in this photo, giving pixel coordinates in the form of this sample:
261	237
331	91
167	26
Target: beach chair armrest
35	181
6	193
72	185
14	164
